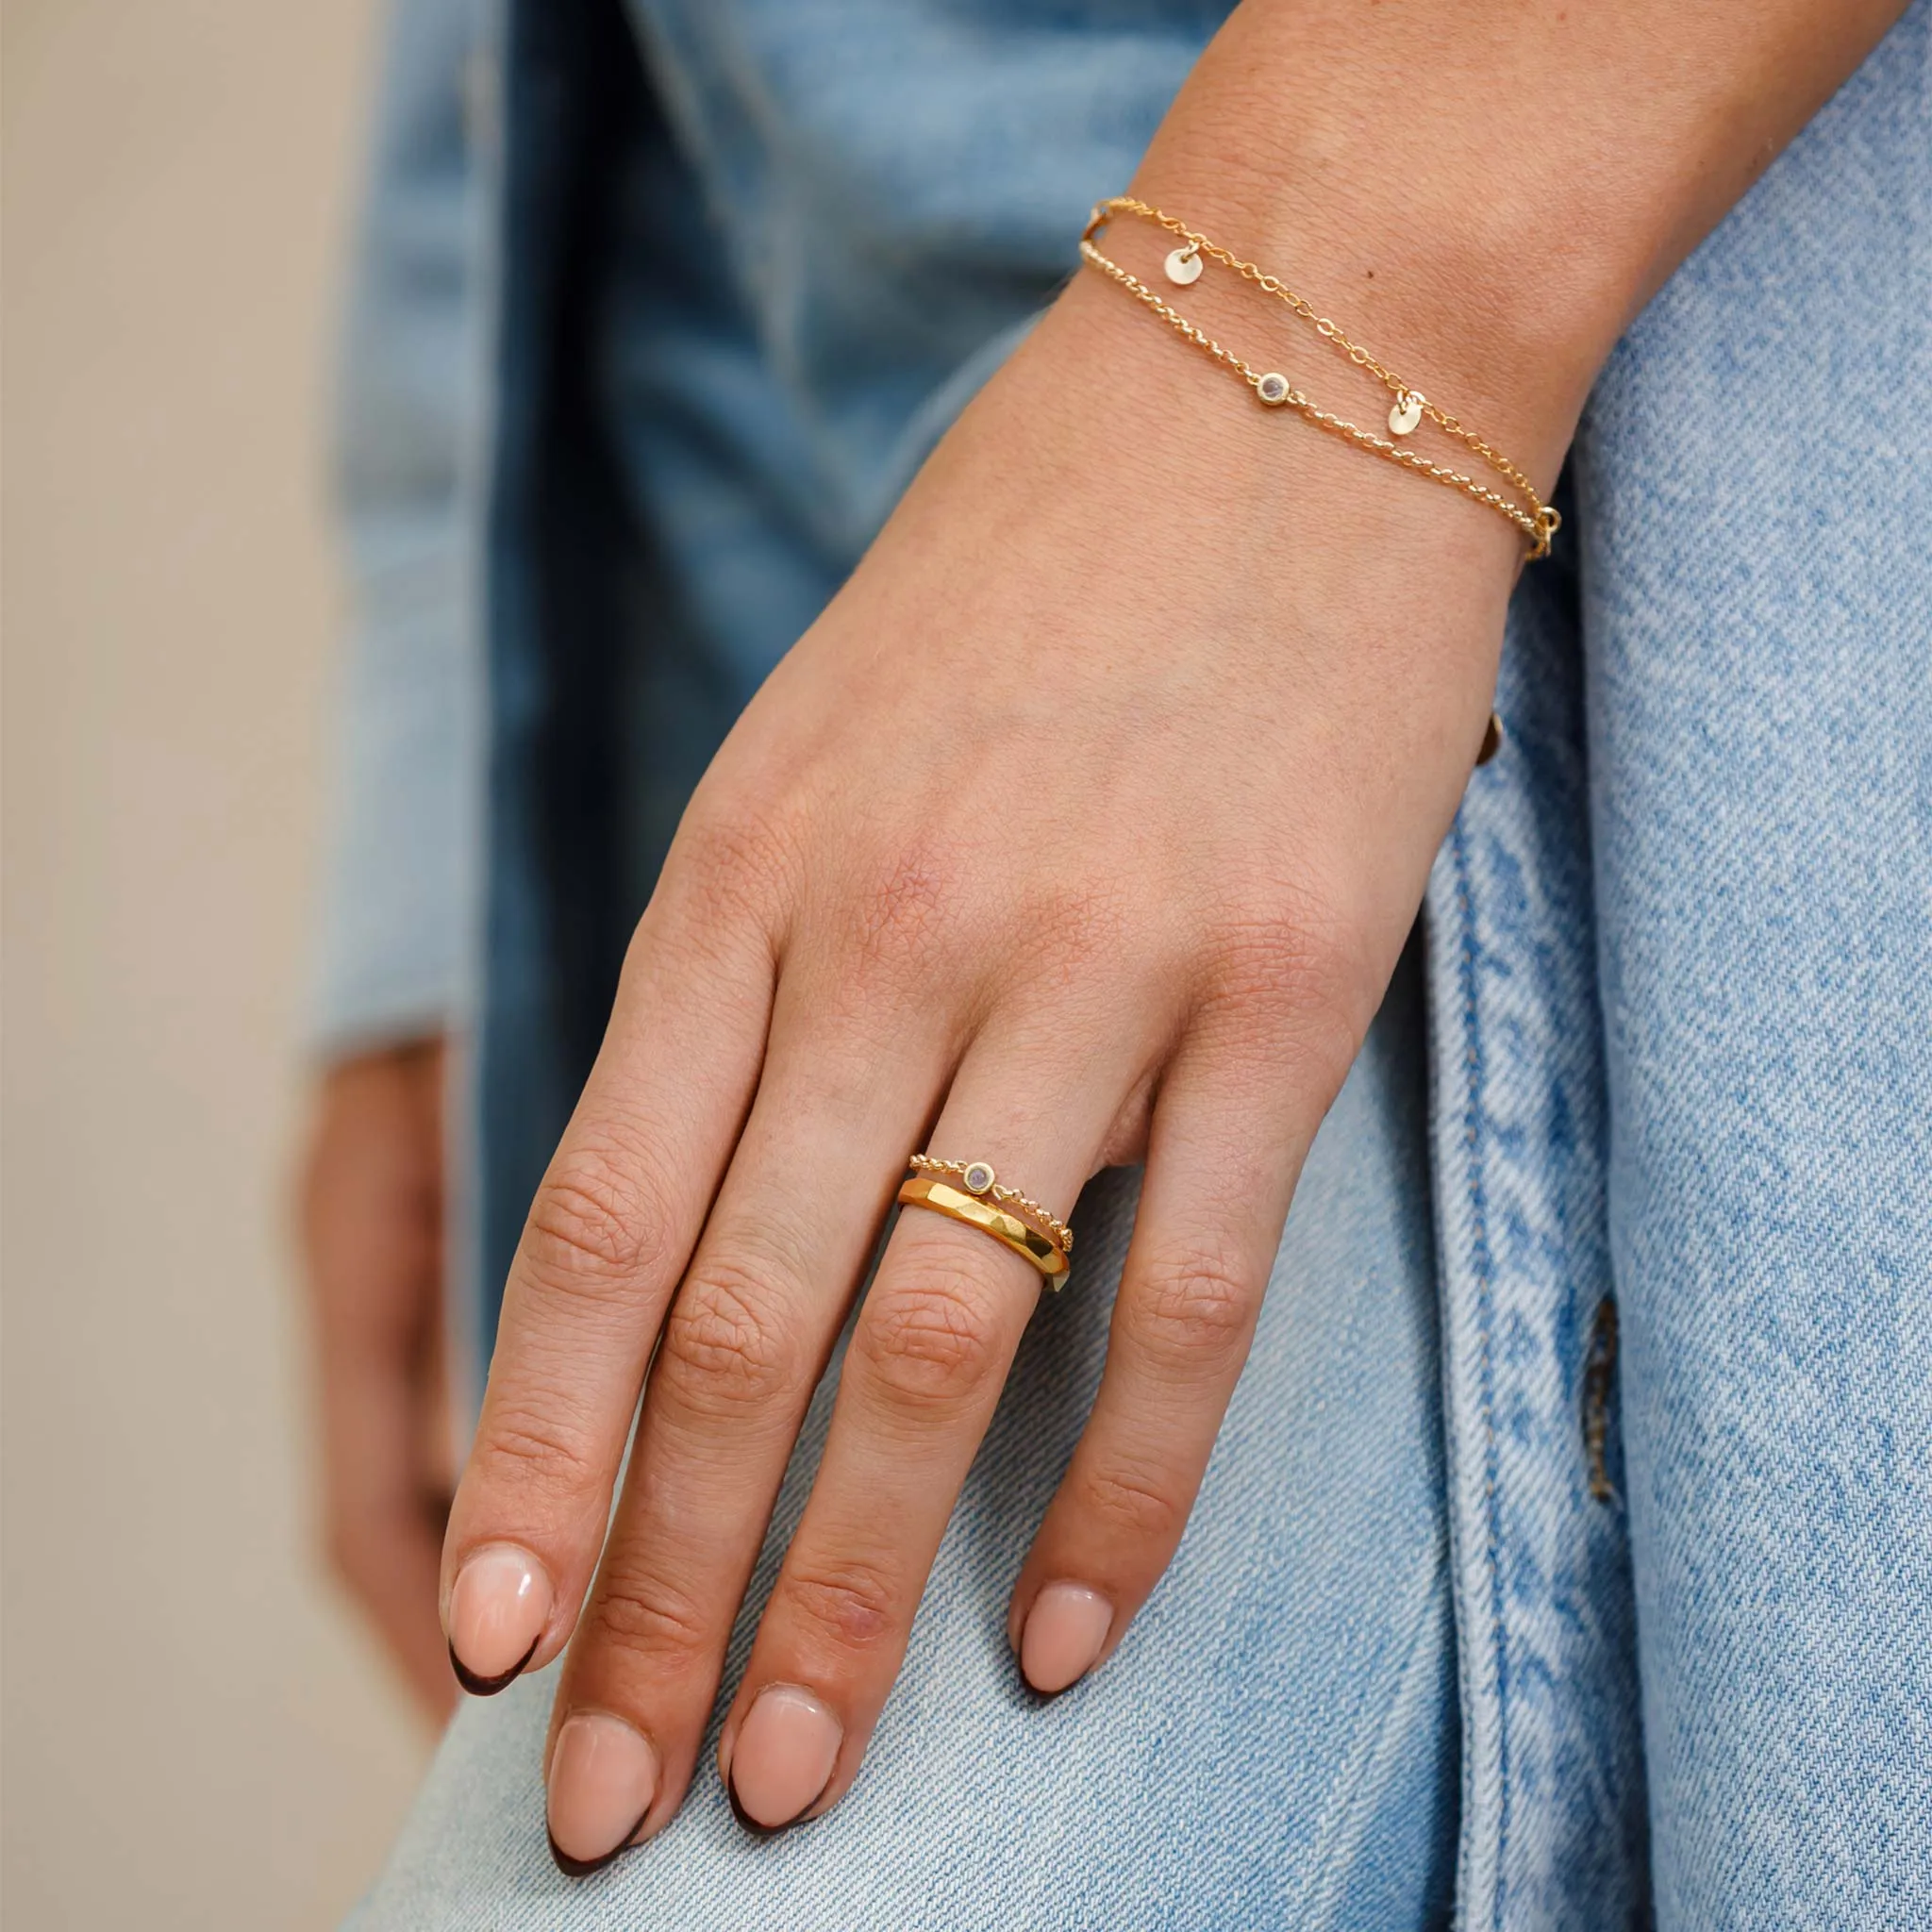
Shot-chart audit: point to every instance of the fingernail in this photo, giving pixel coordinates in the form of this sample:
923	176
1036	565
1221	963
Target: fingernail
1064	1631
603	1776
783	1758
497	1611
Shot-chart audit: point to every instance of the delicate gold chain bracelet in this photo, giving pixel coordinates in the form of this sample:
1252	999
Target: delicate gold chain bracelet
1532	516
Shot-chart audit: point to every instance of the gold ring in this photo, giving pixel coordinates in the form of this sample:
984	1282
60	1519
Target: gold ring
943	1197
978	1177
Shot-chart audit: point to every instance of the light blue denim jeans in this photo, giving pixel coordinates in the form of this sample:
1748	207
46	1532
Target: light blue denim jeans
1567	1558
1275	1743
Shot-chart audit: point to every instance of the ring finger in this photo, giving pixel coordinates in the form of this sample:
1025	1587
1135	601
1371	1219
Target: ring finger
928	1357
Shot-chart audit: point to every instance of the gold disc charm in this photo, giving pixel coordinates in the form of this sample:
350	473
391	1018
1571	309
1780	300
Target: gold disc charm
1406	413
978	1177
1273	390
1184	265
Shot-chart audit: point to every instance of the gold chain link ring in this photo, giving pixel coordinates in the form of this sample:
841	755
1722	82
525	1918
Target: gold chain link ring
1033	1233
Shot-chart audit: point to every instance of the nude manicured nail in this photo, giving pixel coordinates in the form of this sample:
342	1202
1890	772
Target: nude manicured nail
784	1756
1064	1631
603	1776
497	1611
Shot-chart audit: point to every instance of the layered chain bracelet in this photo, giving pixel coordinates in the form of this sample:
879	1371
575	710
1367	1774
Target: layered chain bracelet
1408	409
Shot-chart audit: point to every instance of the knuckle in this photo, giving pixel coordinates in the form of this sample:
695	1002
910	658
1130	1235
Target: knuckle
1283	951
1284	987
726	1345
595	1226
851	1606
906	910
644	1615
1194	1307
1075	926
735	863
927	1339
1132	1506
521	1449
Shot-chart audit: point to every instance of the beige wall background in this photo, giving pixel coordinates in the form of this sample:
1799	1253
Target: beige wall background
196	1732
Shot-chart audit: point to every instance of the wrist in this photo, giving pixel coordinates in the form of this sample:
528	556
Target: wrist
1450	298
1475	193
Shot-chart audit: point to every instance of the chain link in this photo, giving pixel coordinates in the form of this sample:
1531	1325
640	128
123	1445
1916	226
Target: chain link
1012	1197
1539	521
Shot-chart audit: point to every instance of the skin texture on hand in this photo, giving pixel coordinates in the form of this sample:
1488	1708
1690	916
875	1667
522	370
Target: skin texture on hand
372	1237
1085	826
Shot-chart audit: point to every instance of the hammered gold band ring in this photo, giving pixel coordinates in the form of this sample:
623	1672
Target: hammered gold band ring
967	1191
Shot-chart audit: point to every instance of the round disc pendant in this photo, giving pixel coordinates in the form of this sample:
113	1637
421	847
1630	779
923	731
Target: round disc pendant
1184	266
1273	390
1406	413
978	1177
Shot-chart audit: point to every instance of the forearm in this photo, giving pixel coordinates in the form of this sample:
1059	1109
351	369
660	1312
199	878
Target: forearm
1486	192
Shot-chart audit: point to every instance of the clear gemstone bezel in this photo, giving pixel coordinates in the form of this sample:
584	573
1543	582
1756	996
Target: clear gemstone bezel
978	1177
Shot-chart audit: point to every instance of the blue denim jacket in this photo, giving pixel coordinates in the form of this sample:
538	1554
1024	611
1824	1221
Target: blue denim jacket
651	360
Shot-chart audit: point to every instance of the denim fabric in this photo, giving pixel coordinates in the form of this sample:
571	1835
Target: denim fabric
408	444
1552	1795
1276	1742
1679	985
1756	495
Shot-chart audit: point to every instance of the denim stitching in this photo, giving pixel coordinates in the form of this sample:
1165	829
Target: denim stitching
1482	1270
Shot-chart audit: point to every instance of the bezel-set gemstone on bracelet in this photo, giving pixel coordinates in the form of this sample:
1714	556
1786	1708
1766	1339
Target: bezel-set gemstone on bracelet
1408	410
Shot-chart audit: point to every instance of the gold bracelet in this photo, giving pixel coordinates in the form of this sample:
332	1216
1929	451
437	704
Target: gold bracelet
1537	521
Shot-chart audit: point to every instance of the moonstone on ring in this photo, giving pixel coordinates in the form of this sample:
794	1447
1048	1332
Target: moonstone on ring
968	1191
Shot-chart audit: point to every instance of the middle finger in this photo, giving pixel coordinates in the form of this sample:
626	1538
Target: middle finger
744	1347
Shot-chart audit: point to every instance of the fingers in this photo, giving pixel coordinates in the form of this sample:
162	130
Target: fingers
926	1361
747	1338
371	1235
607	1241
1223	1153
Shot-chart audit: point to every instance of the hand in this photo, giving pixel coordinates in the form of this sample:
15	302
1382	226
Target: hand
1086	825
372	1224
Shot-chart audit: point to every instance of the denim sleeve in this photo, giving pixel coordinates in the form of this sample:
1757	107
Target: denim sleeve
394	924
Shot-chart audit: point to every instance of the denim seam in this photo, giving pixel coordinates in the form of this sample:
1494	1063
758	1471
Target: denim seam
1464	1276
1482	1272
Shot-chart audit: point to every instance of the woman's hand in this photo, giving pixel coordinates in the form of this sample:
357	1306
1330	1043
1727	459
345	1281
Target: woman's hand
372	1230
1086	825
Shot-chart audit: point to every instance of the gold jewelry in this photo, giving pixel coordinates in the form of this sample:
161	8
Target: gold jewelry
977	1203
1027	1243
1537	521
978	1177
